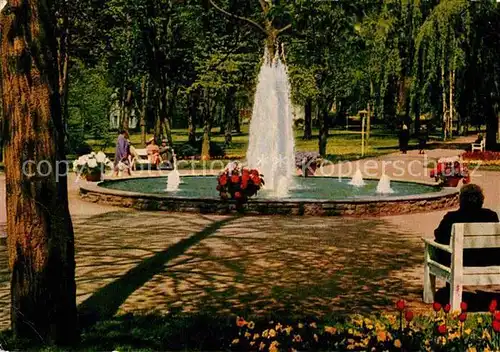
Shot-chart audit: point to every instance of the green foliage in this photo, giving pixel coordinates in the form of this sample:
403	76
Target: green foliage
89	104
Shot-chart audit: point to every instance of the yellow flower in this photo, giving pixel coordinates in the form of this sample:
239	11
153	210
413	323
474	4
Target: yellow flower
453	336
331	330
379	326
479	320
351	347
297	338
368	321
247	335
256	336
389	336
288	330
278	327
369	326
392	319
252	343
251	325
467	331
381	336
300	325
313	325
274	347
272	333
472	349
358	322
235	342
397	343
441	340
486	335
486	349
350	331
265	333
262	346
315	337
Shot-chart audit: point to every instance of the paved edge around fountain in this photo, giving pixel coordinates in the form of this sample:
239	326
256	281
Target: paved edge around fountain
443	199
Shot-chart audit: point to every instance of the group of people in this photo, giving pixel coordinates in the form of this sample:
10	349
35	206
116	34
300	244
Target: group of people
404	139
126	155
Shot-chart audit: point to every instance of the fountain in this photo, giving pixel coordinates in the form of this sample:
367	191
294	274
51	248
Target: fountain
357	180
384	185
271	143
173	178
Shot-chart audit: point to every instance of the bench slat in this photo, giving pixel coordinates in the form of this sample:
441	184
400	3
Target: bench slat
437	245
481	280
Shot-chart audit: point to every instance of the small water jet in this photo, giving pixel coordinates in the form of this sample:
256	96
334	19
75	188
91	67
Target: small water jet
384	185
173	178
357	180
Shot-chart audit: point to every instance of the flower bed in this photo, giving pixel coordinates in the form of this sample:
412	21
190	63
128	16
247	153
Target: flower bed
482	158
440	331
307	162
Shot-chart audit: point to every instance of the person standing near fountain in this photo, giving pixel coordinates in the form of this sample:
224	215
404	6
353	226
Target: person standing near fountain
122	153
404	138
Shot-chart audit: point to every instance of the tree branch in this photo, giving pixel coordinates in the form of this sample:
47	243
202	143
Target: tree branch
288	26
237	17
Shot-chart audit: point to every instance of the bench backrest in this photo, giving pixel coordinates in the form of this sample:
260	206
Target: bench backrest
142	152
475	235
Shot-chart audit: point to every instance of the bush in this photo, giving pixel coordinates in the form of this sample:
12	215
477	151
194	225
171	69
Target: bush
188	151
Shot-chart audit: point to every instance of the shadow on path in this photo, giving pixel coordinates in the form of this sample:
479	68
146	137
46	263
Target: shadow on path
104	303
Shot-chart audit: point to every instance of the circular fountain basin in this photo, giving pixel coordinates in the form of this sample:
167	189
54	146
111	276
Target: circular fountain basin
322	196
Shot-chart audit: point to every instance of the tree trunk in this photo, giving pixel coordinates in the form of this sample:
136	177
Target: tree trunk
145	96
452	83
127	110
207	126
491	124
237	125
229	112
40	232
445	113
192	117
323	129
308	119
170	115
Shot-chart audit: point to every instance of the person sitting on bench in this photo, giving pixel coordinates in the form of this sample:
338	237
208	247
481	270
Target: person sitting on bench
471	210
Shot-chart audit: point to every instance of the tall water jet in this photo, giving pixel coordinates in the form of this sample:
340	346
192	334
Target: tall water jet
384	185
271	143
173	178
357	180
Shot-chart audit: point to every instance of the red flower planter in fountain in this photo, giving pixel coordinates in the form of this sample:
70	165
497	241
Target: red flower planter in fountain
239	183
451	181
449	172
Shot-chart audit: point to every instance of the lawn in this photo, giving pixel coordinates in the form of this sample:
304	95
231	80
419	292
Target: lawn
342	145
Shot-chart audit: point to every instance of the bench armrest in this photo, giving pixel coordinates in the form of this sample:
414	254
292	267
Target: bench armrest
434	244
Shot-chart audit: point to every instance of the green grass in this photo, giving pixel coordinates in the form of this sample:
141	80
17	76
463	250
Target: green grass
342	145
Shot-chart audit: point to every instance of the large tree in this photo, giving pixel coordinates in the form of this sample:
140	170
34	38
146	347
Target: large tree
40	232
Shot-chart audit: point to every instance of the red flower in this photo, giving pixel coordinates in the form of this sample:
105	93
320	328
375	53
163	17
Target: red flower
235	178
240	322
497	316
447	308
463	306
409	316
237	195
244	184
496	325
436	306
400	305
442	329
462	317
223	180
493	306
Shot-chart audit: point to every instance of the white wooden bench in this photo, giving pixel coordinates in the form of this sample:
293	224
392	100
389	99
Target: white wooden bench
463	236
478	146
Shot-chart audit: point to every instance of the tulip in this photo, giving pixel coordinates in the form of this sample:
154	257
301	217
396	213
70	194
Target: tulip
237	195
442	329
493	306
409	316
462	317
436	306
496	326
463	306
447	308
400	305
497	316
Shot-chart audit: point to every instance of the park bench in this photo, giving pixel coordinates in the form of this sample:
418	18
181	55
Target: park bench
463	236
478	146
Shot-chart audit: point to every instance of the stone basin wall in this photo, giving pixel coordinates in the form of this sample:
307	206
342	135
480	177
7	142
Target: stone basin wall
443	200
